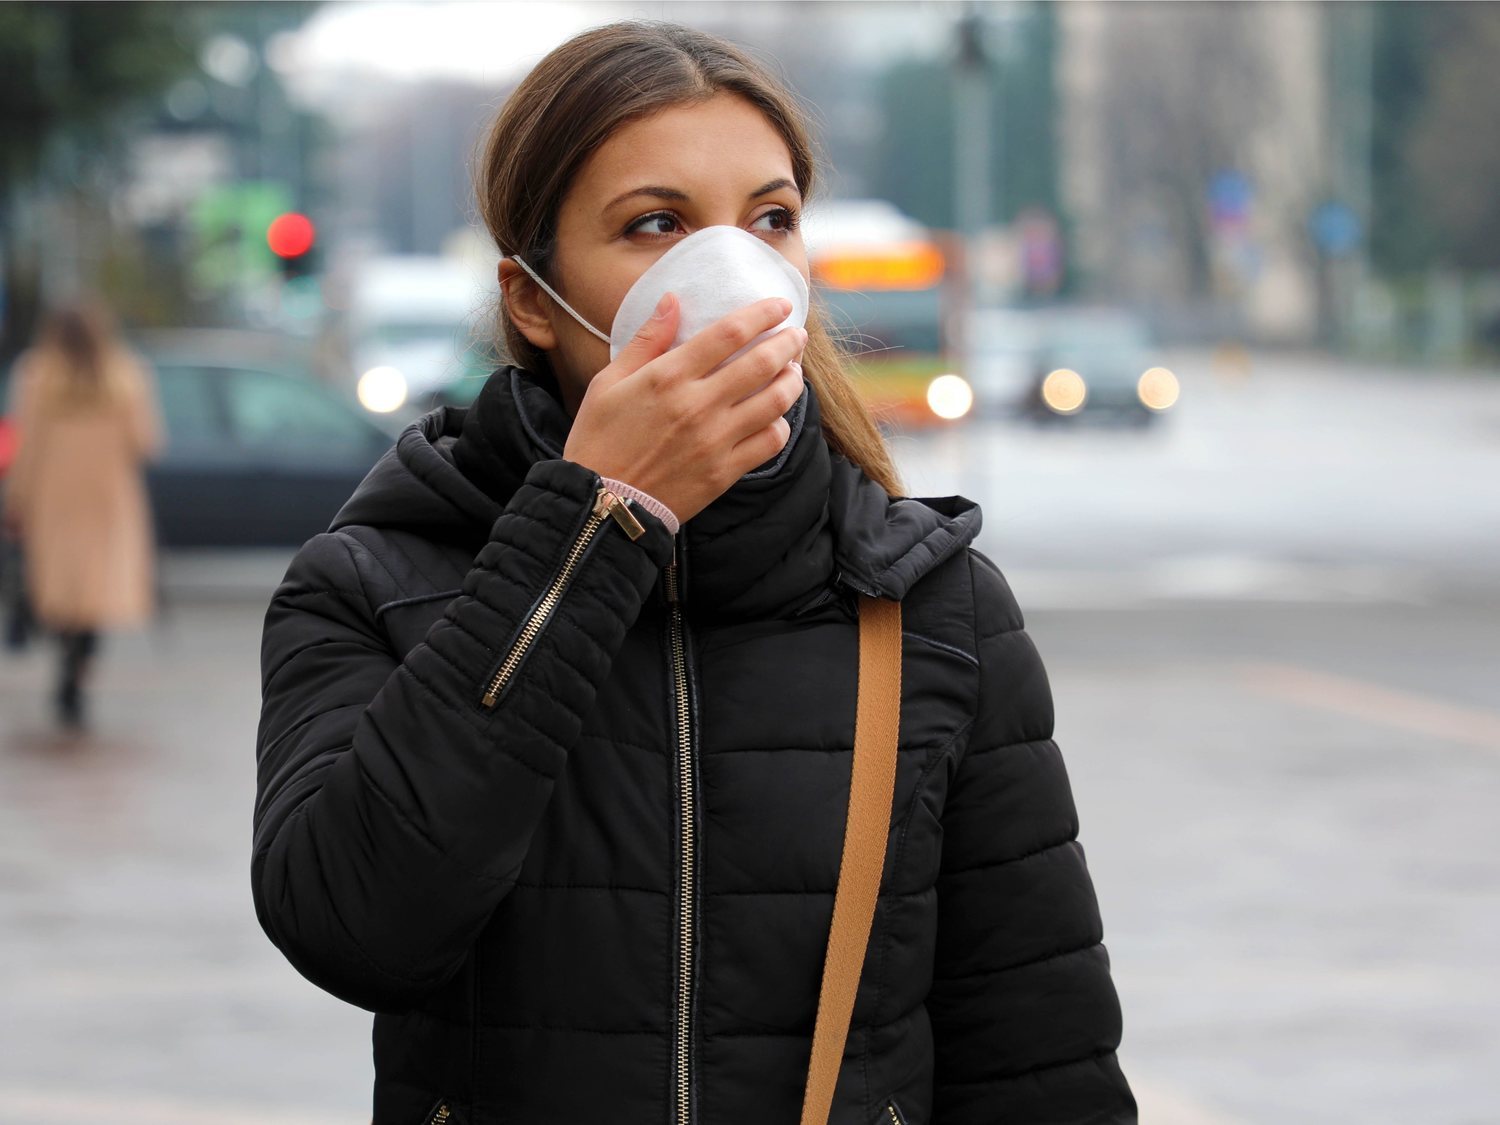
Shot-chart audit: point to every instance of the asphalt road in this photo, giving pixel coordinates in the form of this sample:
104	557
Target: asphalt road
1273	634
1298	479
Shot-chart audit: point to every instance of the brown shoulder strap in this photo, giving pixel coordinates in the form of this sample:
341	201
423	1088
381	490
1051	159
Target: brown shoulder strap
877	720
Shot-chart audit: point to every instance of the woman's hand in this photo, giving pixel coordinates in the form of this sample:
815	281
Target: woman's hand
658	420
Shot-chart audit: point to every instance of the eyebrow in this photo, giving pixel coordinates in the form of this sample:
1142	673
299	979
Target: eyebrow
676	196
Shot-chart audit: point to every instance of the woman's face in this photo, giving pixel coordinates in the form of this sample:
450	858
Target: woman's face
654	182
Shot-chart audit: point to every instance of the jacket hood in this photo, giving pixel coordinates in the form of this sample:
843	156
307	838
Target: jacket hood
804	521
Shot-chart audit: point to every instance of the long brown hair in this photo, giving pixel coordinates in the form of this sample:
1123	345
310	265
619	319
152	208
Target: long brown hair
77	341
573	100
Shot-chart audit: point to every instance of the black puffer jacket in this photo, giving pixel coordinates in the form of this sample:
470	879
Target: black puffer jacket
603	894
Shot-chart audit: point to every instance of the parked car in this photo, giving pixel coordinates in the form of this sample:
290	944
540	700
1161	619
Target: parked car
257	452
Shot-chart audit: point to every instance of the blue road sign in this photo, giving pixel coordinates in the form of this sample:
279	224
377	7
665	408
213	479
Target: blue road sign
1335	228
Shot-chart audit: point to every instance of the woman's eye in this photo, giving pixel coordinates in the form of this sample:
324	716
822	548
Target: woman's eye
658	222
783	219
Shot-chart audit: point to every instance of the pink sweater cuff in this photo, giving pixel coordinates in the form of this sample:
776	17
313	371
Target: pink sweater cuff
645	500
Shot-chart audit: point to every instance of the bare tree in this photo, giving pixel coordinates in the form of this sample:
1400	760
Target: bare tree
1185	92
1453	148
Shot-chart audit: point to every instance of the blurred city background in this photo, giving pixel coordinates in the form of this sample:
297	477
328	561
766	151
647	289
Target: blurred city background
1200	301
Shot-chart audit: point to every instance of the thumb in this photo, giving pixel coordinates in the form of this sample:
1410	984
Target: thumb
652	338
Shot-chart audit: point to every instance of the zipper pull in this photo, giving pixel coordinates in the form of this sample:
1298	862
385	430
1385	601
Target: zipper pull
607	503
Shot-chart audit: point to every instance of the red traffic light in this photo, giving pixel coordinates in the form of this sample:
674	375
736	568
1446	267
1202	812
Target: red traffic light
290	235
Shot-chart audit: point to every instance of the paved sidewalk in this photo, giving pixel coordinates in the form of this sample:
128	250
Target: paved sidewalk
1300	890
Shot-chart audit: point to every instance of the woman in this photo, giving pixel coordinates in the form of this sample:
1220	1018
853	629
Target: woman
560	796
86	415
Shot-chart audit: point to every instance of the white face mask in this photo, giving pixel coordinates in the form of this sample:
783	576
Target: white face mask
713	271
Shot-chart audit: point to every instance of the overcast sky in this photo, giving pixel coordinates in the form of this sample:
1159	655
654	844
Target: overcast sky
487	42
495	43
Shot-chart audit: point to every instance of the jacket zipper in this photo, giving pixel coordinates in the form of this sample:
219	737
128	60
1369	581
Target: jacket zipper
896	1117
606	505
688	859
439	1114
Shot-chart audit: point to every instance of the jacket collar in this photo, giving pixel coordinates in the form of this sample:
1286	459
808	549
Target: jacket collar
779	538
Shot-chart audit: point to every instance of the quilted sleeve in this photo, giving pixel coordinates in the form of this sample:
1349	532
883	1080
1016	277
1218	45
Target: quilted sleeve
395	803
1025	1016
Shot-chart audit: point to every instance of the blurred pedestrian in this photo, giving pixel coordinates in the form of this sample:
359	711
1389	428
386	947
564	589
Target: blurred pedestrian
87	419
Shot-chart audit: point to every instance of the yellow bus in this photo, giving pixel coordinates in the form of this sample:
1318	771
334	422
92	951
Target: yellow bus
891	295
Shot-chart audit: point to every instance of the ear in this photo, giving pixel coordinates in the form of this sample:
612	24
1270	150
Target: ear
526	305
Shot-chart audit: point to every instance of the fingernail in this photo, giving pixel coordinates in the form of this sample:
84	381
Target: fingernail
785	306
662	306
798	366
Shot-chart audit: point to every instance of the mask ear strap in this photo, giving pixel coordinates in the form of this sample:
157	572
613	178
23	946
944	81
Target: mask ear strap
555	296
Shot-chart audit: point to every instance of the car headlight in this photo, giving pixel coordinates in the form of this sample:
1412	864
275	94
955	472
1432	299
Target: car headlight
950	396
382	389
1064	391
1157	388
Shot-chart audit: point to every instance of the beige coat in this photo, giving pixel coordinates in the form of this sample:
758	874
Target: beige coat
78	489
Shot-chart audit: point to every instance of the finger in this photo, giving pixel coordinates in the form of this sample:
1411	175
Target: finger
763	444
758	410
706	349
652	338
758	366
